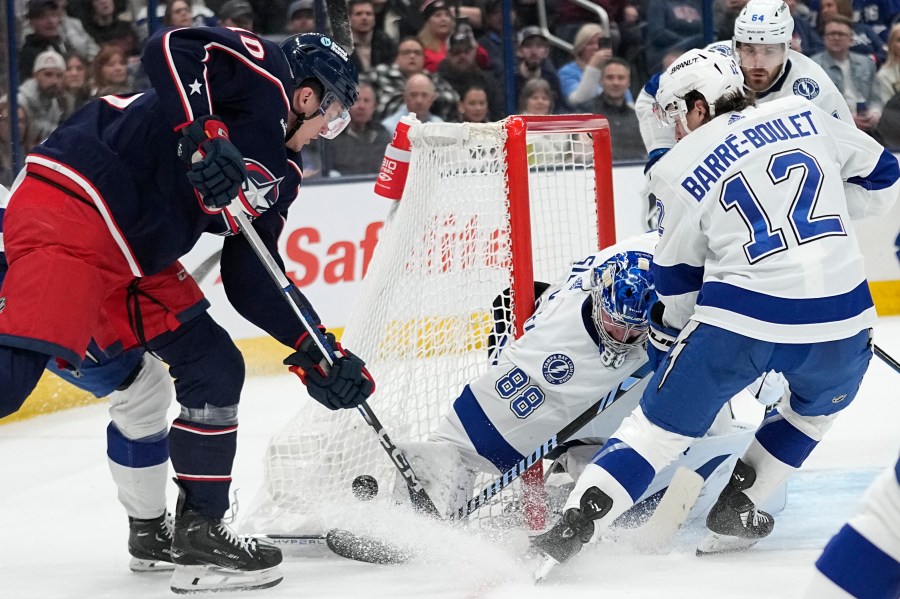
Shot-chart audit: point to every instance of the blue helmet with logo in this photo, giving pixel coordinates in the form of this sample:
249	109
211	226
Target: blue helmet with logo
622	291
317	56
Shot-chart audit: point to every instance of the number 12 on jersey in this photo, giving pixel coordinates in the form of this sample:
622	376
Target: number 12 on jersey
764	240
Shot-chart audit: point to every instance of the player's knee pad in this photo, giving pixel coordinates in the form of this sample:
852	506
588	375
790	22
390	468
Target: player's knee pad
140	410
207	366
448	479
20	371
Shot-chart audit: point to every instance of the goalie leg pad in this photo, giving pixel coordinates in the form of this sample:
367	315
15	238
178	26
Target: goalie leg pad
448	479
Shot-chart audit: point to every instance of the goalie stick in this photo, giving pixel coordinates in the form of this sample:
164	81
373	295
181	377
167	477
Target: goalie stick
367	549
420	498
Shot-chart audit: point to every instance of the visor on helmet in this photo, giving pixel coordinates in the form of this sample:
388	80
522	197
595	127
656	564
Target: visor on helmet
337	116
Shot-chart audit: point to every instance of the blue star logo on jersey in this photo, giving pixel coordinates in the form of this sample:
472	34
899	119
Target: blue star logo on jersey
261	187
806	87
558	368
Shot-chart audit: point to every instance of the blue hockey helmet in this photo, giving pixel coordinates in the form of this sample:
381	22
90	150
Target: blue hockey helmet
622	292
317	56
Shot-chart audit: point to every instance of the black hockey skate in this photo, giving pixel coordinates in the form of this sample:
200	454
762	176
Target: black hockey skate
734	522
150	543
576	527
209	556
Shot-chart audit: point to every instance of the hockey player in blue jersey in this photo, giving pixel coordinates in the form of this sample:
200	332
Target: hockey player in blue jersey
757	268
117	194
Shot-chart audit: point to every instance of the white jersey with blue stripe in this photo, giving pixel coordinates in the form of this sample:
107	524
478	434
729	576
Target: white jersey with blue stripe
755	231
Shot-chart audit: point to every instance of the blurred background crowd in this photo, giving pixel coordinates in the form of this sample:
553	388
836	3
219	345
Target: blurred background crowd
444	60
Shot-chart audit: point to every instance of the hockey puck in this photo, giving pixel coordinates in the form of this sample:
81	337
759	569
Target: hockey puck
365	487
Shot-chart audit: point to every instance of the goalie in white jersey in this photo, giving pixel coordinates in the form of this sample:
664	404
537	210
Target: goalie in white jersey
757	269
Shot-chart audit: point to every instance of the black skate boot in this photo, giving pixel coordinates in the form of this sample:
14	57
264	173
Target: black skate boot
150	544
734	522
209	556
576	527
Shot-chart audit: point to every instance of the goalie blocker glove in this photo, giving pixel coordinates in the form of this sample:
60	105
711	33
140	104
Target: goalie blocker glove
660	338
344	384
217	166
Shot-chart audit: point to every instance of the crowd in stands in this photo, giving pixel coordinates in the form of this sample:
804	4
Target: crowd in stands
444	61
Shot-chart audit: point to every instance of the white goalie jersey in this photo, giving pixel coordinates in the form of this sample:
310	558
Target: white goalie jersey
546	378
749	201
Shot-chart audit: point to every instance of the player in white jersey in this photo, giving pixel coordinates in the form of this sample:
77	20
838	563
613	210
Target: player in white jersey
585	338
761	45
757	269
863	558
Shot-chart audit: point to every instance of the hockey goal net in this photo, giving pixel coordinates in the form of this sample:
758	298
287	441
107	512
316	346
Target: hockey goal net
487	210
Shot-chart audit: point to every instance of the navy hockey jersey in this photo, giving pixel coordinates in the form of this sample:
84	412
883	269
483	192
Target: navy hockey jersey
119	153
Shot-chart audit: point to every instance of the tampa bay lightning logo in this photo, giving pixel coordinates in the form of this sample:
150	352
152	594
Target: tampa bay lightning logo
558	368
261	186
806	87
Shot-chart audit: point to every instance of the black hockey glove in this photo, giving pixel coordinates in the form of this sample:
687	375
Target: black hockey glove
217	167
661	338
344	384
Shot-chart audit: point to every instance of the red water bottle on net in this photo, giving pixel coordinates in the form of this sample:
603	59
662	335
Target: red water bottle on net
395	165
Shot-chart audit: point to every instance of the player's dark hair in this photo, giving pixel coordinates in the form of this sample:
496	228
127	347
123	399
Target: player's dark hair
315	85
733	102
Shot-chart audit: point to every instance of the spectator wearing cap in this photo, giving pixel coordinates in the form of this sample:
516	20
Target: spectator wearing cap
40	94
672	24
534	63
107	26
359	149
439	24
371	46
301	17
418	96
44	21
389	82
624	130
237	13
72	32
460	69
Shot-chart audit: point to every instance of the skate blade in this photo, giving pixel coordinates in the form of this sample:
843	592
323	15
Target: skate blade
149	565
210	579
715	544
541	573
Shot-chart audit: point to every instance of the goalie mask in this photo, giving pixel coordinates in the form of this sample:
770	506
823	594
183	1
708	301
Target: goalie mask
762	38
708	72
622	291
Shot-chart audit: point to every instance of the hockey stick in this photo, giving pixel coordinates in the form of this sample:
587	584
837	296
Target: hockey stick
292	295
887	359
367	549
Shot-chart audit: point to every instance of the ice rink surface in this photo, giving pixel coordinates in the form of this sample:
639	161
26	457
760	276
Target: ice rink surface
64	533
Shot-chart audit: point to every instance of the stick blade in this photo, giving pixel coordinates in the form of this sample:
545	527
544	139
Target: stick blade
366	549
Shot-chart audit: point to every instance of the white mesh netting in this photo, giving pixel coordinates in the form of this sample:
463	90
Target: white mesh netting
424	315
